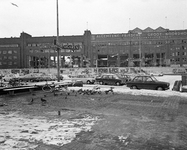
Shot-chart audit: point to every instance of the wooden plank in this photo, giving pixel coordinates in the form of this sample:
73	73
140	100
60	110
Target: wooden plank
13	89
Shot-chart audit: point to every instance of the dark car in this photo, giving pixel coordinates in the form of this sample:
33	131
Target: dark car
126	77
110	79
147	82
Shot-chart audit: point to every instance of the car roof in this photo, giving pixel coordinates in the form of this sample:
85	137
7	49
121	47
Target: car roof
108	74
143	76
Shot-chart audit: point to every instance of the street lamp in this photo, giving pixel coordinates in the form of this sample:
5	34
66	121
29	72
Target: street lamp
57	48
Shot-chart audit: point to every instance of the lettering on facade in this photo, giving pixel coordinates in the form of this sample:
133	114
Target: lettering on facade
136	35
71	46
167	34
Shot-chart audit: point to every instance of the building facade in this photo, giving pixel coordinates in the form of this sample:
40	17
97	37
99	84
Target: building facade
137	48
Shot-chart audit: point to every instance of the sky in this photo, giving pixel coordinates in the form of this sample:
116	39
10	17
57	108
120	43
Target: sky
39	17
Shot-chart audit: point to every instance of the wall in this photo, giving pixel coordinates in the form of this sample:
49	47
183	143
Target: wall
93	71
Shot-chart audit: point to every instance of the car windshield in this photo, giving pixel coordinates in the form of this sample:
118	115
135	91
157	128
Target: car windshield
118	76
154	79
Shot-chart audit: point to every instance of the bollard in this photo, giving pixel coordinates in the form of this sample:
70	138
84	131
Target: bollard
59	113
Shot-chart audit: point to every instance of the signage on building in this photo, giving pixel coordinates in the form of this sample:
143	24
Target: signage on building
174	33
71	46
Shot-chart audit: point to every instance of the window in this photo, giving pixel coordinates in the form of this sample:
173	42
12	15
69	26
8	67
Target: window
0	52
9	57
1	57
52	51
148	79
9	63
15	57
15	63
15	51
4	52
5	57
47	51
105	77
9	52
138	79
110	77
31	51
0	63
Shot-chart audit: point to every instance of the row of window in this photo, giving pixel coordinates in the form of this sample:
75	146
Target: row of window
105	51
52	51
178	60
140	42
178	48
10	45
9	52
8	63
178	54
39	44
8	57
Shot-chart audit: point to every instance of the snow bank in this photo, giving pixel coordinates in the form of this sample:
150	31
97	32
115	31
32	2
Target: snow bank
14	127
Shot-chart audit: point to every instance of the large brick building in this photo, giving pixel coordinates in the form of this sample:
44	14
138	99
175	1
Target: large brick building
159	47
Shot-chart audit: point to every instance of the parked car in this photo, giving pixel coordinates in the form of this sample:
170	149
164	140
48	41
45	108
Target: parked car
45	77
29	77
85	79
156	74
8	77
70	81
110	79
147	82
126	77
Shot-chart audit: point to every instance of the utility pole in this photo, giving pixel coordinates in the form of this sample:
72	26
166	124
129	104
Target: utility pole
57	48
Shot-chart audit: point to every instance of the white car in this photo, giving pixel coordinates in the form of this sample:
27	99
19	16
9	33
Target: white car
85	79
156	74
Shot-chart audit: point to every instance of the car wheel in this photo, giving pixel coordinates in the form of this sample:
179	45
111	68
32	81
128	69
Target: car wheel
160	88
101	83
117	83
88	82
134	87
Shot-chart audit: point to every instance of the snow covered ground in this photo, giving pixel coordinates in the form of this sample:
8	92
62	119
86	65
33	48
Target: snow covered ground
123	89
15	127
18	132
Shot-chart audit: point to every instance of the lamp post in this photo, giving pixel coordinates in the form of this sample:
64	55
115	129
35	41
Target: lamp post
57	48
160	55
96	66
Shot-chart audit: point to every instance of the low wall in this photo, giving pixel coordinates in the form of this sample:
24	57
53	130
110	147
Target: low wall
76	71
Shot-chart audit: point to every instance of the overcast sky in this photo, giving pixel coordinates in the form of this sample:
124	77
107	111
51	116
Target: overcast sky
38	17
